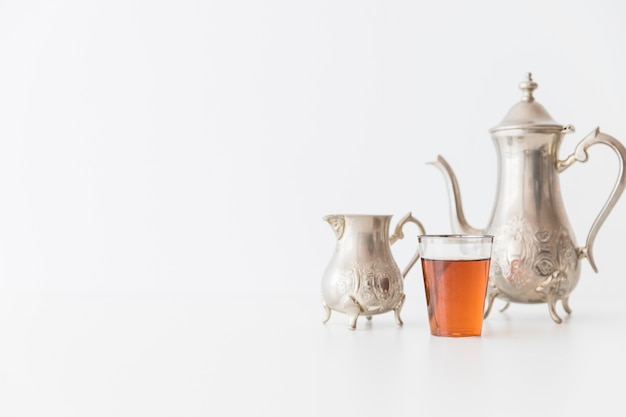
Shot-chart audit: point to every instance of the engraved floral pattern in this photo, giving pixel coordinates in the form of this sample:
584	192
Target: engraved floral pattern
534	258
566	251
543	234
544	266
513	251
376	285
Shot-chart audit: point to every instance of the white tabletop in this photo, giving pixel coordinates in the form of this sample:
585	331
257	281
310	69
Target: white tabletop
272	356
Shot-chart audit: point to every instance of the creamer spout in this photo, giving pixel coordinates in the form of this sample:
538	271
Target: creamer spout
337	222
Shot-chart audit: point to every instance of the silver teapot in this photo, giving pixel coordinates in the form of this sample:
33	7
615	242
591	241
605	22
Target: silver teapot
535	258
362	277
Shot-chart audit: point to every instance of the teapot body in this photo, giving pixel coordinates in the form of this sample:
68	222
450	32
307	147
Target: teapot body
535	257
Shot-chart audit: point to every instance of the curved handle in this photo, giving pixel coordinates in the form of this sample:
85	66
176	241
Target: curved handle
398	234
580	155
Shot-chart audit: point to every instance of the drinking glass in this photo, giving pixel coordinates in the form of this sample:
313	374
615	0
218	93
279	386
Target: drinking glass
456	272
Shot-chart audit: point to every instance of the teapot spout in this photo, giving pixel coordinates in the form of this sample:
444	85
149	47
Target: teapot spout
337	222
457	218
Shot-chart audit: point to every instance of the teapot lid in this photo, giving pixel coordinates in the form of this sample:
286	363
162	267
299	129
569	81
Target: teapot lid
528	114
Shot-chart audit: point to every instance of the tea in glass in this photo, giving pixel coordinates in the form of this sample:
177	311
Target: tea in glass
456	273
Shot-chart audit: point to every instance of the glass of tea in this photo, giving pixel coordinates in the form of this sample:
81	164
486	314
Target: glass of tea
456	272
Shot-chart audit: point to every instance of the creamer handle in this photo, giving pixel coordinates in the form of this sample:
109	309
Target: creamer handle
398	234
580	155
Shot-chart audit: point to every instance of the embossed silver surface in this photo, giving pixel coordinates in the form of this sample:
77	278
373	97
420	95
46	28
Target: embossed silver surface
362	277
535	258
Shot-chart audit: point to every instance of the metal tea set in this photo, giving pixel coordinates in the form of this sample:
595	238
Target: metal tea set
535	258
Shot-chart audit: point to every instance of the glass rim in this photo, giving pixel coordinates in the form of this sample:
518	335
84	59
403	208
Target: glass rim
455	236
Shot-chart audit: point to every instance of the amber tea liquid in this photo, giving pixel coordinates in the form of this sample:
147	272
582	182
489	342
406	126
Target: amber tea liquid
455	295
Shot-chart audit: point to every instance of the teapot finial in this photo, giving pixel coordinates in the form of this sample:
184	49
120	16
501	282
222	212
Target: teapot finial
527	87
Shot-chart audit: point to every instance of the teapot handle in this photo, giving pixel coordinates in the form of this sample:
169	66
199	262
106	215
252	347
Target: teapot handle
398	234
580	155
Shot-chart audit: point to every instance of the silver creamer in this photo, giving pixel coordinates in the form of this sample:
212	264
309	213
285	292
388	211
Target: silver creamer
362	277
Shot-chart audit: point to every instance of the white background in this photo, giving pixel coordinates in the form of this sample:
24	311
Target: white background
191	148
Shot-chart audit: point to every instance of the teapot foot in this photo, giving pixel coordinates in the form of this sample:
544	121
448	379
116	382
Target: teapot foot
491	296
396	311
566	307
353	309
552	308
352	318
327	310
551	299
352	322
